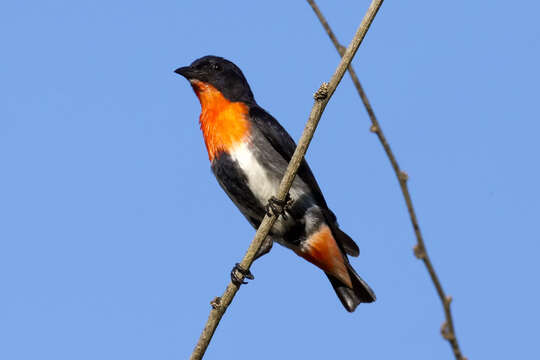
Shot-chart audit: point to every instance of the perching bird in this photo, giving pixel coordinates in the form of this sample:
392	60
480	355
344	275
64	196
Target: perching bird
249	152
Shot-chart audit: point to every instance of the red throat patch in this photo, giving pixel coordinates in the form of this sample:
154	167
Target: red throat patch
322	250
223	123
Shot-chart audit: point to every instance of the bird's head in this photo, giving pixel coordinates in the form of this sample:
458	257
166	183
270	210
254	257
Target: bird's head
211	73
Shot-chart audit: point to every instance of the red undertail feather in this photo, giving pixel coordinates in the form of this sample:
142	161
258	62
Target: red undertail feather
322	250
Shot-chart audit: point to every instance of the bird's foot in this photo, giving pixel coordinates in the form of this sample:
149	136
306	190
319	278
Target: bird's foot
245	274
278	207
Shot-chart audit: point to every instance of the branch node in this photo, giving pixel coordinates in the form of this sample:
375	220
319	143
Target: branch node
446	332
322	93
447	300
374	128
403	176
215	303
419	251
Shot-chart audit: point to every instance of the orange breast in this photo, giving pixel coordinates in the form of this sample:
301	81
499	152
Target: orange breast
224	124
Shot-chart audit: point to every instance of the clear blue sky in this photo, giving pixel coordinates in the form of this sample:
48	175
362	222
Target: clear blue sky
114	235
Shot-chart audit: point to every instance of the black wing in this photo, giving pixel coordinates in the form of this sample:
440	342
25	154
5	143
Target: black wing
231	178
282	142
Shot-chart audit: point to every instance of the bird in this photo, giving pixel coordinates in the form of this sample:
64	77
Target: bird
249	151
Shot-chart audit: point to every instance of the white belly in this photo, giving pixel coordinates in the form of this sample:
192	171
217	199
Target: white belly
260	184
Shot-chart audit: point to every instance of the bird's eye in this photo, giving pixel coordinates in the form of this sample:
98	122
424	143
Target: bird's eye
216	67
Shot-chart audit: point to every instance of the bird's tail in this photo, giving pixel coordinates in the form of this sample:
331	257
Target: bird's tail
322	250
351	297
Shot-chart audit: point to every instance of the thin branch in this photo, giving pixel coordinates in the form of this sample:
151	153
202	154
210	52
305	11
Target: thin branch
322	96
447	329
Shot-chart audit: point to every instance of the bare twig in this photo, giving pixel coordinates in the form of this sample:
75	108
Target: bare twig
447	329
322	96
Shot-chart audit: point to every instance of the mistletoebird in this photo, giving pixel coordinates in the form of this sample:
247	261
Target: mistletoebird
249	152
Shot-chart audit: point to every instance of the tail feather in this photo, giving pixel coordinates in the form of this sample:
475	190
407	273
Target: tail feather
352	297
348	244
345	242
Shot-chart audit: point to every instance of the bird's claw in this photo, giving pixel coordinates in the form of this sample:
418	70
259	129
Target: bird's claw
278	207
245	274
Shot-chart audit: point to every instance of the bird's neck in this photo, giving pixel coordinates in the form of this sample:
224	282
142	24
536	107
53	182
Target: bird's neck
224	123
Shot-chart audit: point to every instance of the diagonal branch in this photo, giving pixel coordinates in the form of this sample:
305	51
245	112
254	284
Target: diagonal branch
447	329
322	96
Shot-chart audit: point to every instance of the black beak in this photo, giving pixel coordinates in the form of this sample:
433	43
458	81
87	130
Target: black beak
187	71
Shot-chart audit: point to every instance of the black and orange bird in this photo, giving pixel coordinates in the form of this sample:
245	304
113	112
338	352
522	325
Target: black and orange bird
249	152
